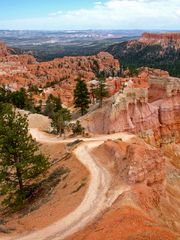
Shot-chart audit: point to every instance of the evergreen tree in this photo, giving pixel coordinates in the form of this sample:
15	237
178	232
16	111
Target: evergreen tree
101	91
19	161
77	128
53	105
21	100
60	120
38	108
4	95
81	96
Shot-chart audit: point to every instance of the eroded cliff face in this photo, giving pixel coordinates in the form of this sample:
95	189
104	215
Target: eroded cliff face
163	39
135	162
151	176
153	111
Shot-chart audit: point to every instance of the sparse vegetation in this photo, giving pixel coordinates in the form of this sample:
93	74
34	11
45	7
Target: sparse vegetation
133	72
53	105
77	128
41	191
81	96
20	98
60	120
34	89
101	91
20	162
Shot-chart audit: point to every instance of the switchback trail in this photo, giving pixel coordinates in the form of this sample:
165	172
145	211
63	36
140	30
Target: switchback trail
98	197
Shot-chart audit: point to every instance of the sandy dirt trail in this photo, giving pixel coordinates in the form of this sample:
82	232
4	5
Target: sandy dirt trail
98	196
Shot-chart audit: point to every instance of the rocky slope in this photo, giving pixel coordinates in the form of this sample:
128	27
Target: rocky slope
150	209
151	108
5	50
57	76
152	50
134	162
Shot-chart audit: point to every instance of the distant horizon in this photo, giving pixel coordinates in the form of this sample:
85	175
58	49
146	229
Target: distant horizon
110	29
90	14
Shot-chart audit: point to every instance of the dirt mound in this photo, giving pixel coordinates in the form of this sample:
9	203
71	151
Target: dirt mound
38	121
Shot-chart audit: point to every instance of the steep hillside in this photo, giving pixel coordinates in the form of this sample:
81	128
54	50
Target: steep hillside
148	106
151	50
149	208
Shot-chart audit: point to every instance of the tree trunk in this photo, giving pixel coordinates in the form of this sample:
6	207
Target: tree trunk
100	102
60	126
60	131
82	111
19	174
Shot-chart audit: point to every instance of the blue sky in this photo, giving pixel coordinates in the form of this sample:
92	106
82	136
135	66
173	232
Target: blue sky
13	9
90	14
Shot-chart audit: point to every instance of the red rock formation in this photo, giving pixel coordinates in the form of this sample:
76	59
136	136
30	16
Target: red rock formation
5	50
58	76
169	36
164	39
23	59
145	165
134	162
153	111
152	180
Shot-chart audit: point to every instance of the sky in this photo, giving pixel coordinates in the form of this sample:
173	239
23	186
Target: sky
89	14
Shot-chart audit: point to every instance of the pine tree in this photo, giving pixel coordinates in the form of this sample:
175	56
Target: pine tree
101	91
4	94
19	161
81	96
77	128
22	100
53	105
60	120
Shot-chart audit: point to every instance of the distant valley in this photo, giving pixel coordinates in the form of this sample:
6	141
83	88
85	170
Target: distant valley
47	45
131	47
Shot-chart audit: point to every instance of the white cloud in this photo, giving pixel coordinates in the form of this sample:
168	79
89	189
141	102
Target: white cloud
54	14
116	14
177	12
98	3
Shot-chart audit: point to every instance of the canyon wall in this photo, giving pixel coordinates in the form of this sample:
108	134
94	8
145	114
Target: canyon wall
153	111
163	39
